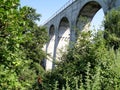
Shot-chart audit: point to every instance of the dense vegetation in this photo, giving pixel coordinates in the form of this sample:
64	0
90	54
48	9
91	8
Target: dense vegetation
93	63
21	42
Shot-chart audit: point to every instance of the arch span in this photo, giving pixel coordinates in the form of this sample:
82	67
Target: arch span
86	15
63	37
50	48
70	17
51	31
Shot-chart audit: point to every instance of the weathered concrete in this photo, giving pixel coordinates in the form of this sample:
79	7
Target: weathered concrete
61	26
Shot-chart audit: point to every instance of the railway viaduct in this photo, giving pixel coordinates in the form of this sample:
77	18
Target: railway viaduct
61	26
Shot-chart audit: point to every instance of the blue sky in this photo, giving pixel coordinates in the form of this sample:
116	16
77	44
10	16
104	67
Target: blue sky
44	7
48	7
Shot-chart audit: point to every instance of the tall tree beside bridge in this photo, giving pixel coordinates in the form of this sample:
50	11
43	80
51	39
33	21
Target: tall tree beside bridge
19	46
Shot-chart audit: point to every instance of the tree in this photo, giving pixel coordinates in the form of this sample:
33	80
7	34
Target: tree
92	64
112	26
18	32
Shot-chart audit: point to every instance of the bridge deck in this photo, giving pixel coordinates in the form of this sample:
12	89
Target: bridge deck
67	4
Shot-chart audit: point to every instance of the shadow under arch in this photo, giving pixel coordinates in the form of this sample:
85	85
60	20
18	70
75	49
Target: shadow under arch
86	15
51	31
50	48
63	37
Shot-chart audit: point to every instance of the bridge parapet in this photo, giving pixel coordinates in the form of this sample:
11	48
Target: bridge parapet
60	10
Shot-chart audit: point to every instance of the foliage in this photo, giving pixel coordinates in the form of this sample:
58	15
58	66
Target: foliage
92	64
20	44
112	25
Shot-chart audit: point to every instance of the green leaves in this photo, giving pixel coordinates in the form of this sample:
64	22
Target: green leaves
112	26
93	60
20	46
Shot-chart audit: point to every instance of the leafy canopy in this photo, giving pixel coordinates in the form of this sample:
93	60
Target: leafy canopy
21	42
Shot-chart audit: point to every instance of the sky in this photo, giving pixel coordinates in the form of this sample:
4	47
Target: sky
44	7
48	7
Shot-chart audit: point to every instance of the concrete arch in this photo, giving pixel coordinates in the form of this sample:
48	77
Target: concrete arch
50	48
86	14
62	18
64	24
63	37
51	31
65	20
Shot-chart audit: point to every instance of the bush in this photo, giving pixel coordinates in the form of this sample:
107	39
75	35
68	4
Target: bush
92	64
